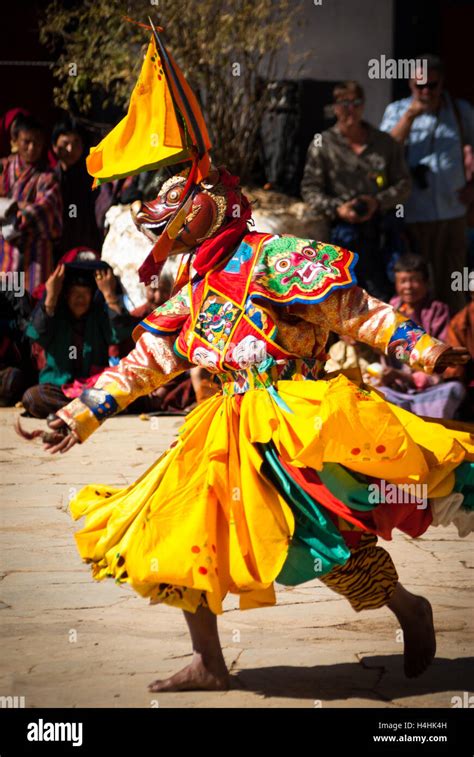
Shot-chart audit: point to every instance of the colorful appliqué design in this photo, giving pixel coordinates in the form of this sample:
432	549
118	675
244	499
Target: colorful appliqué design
248	351
241	256
299	270
101	404
303	368
205	358
216	319
258	316
177	305
169	317
403	340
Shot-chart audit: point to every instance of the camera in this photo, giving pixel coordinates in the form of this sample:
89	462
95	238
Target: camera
420	175
360	207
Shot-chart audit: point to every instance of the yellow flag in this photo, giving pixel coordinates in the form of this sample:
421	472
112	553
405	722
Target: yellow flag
152	134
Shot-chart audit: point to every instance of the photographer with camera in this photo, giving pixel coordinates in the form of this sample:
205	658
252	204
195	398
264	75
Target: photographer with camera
437	132
354	177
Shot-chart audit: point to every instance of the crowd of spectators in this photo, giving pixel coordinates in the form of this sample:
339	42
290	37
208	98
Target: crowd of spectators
68	320
401	196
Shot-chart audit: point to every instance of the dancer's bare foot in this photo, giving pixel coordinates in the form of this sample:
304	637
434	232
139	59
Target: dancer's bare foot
195	677
207	671
416	619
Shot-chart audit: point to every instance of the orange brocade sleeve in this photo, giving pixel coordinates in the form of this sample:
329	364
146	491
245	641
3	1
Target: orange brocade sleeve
355	313
148	366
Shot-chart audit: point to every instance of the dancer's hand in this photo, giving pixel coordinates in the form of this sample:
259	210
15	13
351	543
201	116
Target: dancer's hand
452	357
66	443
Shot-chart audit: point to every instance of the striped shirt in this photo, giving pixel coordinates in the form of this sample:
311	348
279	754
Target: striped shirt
38	188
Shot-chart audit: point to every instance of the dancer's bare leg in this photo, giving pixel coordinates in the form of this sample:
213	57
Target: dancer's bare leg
207	670
416	619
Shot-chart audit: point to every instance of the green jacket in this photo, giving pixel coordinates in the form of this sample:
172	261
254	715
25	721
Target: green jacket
101	327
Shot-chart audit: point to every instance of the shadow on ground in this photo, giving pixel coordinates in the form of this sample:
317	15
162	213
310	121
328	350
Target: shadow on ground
379	678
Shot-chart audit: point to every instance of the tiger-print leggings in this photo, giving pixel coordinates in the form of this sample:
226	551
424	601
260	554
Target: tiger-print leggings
368	578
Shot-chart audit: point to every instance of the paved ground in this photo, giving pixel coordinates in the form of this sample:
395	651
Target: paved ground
68	641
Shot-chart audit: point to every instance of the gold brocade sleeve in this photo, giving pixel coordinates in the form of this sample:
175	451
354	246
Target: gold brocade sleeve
151	364
355	313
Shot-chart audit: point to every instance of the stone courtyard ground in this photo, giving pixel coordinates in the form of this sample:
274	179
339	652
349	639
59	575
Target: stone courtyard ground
70	642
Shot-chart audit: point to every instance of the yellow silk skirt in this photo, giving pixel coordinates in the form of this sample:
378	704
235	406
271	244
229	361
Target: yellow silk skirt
204	521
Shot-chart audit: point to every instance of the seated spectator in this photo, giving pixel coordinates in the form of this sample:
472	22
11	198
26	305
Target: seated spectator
419	392
76	323
461	334
355	175
437	131
79	222
413	298
26	178
16	367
